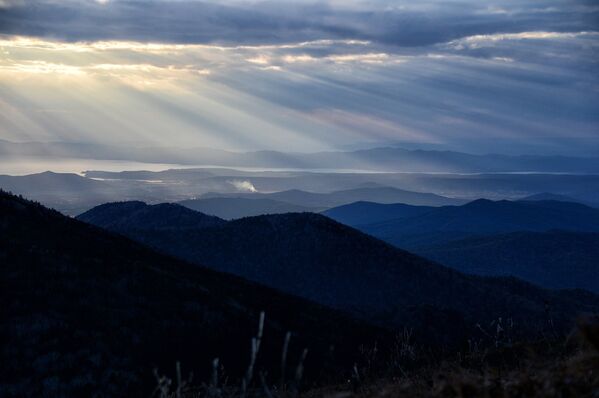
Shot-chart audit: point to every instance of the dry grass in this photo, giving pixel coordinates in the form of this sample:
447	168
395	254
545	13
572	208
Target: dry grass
563	369
577	376
560	368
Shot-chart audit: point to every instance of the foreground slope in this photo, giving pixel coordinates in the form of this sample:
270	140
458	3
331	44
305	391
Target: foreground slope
89	313
315	257
556	259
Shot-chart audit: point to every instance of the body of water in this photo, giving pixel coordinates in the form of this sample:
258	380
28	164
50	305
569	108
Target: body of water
31	165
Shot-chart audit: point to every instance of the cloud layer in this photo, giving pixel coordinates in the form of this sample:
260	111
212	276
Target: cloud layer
401	23
510	76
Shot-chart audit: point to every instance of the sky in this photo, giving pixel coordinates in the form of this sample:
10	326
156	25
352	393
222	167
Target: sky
475	76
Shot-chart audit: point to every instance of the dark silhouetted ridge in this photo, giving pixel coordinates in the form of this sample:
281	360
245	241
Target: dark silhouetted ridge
89	313
122	216
485	217
362	213
556	259
312	256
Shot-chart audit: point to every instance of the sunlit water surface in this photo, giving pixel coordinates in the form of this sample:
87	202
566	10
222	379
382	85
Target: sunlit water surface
30	165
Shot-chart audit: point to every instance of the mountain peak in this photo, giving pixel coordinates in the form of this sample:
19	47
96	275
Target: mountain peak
480	203
305	217
135	214
53	174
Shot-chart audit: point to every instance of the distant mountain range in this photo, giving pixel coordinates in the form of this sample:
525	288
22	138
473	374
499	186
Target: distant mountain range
67	192
583	188
519	238
554	259
314	257
325	200
555	197
88	313
278	191
232	208
73	194
378	159
483	217
49	182
364	213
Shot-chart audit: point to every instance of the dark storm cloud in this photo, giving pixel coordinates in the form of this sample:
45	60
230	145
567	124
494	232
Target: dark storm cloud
392	23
